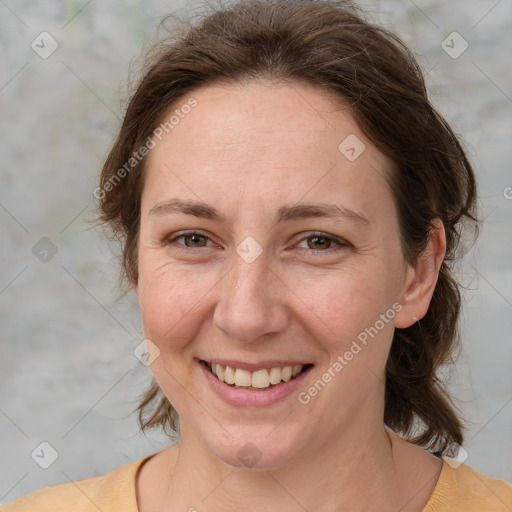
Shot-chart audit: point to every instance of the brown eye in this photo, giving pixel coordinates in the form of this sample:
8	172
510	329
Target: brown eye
319	242
191	240
323	243
195	240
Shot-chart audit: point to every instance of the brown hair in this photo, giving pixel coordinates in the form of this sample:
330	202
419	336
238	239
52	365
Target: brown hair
329	44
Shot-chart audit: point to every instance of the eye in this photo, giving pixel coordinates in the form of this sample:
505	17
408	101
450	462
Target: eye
192	239
320	242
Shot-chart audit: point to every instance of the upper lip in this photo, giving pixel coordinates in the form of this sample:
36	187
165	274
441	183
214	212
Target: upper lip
244	365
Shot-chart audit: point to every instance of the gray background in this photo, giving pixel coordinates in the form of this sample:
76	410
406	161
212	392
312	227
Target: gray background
67	369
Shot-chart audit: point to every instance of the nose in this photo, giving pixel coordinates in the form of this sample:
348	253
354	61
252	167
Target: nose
252	301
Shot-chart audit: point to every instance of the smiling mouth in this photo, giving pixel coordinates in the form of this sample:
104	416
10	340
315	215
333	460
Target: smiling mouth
260	380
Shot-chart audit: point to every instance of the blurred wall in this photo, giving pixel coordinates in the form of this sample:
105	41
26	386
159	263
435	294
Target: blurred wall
68	374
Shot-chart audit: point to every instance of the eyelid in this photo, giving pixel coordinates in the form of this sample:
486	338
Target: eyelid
340	242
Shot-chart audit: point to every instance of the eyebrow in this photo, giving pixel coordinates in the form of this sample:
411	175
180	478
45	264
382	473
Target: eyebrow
285	213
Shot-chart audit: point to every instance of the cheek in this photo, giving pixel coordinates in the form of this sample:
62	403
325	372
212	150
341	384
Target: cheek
170	300
342	303
353	315
353	319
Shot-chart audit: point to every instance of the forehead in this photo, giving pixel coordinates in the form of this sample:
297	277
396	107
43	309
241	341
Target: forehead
270	143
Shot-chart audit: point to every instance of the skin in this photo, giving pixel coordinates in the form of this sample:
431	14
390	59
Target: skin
247	150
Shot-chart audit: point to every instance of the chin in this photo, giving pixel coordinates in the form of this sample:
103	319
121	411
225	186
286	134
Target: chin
257	448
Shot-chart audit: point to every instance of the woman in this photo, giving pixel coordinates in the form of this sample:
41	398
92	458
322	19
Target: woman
289	204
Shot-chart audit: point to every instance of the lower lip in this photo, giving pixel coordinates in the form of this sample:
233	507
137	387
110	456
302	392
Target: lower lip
250	397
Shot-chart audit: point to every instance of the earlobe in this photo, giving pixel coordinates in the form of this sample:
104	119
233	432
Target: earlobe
420	281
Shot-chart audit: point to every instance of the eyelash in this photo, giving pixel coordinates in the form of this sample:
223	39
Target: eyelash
341	244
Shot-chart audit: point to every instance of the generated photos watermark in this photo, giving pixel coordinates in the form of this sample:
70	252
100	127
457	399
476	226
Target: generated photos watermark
137	156
305	397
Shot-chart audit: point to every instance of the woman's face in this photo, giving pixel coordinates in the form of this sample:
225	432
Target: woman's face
254	278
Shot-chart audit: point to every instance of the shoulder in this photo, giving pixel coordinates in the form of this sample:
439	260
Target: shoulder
460	487
113	491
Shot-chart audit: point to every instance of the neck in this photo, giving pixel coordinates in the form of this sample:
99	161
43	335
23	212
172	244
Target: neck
356	471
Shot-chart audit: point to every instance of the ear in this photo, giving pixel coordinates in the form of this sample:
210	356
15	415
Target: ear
420	281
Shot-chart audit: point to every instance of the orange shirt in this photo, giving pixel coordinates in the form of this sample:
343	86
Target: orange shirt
460	489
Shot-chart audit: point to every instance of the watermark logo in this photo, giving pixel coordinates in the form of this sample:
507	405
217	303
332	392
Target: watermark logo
249	455
137	156
249	249
44	455
44	45
352	147
44	250
454	45
458	455
146	352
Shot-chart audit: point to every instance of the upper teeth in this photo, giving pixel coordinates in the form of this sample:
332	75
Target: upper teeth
258	378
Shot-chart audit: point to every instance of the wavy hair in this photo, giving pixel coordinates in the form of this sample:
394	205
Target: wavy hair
331	45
